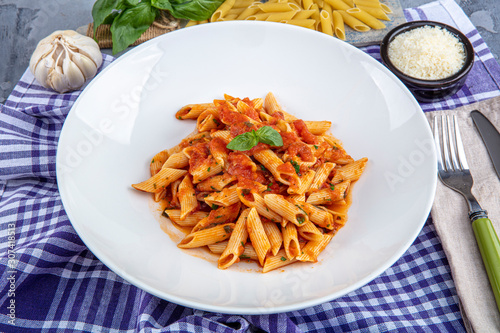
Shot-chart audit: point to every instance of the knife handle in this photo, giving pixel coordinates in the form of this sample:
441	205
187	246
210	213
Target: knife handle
489	246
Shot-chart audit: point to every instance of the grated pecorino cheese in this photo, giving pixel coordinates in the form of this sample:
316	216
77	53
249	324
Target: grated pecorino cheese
429	53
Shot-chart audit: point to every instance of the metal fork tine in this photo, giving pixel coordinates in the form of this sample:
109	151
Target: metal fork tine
446	144
437	142
460	146
452	140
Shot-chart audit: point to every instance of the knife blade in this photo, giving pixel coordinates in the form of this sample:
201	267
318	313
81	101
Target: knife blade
490	136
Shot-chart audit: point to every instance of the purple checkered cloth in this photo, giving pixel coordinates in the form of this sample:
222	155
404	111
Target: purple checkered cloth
51	282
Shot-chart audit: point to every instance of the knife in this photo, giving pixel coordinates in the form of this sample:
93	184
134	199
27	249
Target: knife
490	136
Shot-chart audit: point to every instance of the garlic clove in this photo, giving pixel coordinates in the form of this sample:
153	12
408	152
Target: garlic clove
40	52
86	65
72	72
42	70
58	81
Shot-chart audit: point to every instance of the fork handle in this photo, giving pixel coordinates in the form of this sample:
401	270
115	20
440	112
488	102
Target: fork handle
489	246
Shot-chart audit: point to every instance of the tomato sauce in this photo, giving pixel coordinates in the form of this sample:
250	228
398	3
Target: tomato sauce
303	132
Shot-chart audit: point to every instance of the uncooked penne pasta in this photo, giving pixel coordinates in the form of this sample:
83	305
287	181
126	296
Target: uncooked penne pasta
353	22
338	4
366	18
338	25
378	13
222	10
326	23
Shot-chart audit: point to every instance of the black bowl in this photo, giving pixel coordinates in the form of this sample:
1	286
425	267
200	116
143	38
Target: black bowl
428	91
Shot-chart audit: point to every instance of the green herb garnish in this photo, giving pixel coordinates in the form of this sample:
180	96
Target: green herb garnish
296	166
248	140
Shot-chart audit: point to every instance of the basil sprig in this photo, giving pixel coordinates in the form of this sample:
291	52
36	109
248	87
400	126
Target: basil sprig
248	140
130	18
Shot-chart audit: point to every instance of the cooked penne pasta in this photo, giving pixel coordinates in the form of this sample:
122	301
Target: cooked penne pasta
329	195
236	244
187	197
274	200
226	197
258	235
286	209
310	232
159	181
207	236
350	172
157	162
189	220
274	235
312	249
290	240
277	261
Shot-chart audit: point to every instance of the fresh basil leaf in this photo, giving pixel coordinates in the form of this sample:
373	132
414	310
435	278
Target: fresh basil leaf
103	10
196	10
132	3
111	17
130	24
242	142
162	4
269	135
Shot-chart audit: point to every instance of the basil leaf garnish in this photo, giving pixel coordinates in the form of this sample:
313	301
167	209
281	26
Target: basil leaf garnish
248	140
245	141
269	135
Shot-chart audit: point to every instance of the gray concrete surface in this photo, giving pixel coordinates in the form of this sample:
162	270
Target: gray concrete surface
24	22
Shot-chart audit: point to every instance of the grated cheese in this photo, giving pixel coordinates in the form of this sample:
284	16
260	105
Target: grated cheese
429	53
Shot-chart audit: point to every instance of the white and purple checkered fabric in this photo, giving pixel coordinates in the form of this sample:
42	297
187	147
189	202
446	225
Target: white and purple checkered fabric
60	286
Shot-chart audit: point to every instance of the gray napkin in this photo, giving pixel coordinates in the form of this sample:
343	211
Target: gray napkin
449	214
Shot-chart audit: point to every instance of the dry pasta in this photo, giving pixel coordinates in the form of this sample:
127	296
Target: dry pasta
328	16
276	202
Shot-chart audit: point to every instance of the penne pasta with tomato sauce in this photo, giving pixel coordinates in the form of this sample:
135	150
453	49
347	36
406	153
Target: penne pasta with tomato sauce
254	183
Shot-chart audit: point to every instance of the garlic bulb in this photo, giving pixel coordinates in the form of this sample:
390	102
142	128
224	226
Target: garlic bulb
65	60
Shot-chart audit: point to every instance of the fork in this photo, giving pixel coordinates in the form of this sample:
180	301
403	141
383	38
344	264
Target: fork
454	172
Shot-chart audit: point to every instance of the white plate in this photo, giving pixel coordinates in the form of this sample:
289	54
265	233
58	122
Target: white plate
126	115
